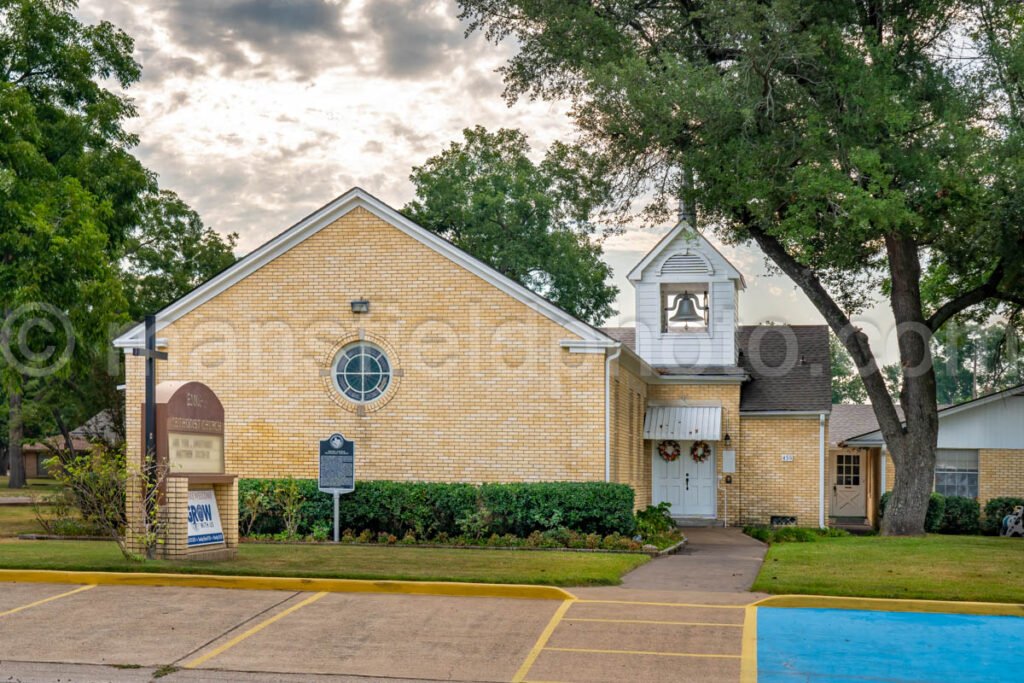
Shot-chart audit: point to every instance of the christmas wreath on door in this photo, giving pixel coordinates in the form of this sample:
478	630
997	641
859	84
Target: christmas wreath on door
700	451
669	450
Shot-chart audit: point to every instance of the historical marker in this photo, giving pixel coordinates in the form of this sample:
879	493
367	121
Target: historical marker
337	470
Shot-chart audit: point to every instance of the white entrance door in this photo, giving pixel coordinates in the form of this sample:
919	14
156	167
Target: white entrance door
688	486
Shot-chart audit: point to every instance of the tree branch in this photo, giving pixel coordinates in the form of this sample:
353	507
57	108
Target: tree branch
853	339
989	288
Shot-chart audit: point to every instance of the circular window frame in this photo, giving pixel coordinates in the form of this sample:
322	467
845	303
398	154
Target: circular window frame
329	374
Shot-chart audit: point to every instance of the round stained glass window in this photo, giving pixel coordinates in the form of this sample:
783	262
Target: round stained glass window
362	372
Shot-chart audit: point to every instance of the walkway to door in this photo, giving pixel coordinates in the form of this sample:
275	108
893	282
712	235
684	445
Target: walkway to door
714	559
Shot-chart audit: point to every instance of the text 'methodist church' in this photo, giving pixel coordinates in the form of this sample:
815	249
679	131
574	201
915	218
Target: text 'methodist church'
356	320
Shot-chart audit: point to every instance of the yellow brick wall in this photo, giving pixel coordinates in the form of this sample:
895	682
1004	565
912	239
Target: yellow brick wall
630	461
485	393
769	486
1000	473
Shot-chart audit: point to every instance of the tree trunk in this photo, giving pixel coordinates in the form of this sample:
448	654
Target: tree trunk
913	446
15	432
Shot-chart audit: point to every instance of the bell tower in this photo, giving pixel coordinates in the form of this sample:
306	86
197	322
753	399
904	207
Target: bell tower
686	302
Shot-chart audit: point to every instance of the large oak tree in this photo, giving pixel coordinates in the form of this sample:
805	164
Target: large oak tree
862	144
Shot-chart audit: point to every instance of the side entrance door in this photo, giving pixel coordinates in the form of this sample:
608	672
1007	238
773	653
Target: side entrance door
848	499
687	485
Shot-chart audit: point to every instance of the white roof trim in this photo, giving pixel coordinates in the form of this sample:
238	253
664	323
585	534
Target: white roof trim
321	218
637	273
875	438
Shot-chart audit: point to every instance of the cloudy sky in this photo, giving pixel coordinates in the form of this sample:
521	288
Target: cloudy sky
257	112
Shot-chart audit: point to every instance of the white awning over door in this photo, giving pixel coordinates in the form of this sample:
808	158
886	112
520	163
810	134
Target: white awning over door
685	423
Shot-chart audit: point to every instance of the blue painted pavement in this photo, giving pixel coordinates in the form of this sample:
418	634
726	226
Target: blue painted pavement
854	645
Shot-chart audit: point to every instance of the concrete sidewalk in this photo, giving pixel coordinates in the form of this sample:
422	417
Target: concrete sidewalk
714	560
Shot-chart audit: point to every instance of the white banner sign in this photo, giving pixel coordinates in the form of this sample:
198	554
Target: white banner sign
203	518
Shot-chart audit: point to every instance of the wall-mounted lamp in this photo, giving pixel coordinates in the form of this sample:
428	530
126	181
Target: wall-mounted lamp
727	440
360	306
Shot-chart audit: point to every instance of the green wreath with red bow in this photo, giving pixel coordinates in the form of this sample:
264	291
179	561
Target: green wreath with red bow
700	451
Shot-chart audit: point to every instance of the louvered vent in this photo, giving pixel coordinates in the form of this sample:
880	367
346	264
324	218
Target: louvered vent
686	264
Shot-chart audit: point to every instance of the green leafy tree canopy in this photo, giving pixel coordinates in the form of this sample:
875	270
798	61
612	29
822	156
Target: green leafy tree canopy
529	221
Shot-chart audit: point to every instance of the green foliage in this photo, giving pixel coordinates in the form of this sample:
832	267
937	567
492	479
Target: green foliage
847	386
530	221
995	510
933	516
430	510
655	520
961	516
792	534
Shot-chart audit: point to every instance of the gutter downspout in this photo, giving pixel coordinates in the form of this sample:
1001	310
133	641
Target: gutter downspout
608	411
821	471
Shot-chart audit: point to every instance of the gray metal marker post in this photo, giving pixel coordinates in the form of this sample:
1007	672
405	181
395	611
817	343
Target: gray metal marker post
337	471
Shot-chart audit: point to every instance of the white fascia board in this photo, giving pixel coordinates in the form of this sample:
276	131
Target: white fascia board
321	218
699	379
589	345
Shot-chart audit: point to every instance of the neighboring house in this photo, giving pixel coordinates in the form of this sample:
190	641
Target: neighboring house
100	427
357	320
980	452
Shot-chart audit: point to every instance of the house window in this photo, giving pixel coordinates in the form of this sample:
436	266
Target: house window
956	472
362	372
847	470
684	307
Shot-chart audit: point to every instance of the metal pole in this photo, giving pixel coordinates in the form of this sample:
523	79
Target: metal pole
150	388
337	516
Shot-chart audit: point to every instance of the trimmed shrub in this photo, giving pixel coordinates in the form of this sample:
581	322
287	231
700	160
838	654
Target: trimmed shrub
995	510
792	534
961	516
430	510
932	517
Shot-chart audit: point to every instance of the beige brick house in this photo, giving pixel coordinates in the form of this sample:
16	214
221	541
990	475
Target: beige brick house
356	320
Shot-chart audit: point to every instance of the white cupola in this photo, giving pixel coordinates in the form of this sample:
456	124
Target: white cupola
686	302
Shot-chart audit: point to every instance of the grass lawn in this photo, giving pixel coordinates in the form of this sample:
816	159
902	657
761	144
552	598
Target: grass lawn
978	568
343	561
18	519
35	487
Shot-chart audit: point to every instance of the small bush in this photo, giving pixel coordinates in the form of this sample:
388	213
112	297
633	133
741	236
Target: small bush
995	510
932	517
961	516
655	520
792	534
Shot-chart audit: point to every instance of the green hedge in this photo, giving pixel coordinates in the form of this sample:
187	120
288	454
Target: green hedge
932	517
995	510
962	516
429	510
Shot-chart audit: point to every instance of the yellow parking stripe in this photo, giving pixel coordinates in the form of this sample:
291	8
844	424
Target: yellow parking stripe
641	652
254	630
46	600
659	604
652	621
542	640
748	652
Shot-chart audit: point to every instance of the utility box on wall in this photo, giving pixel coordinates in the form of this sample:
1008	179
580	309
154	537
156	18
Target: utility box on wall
729	462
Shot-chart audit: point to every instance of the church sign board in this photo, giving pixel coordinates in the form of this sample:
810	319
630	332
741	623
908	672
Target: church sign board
204	526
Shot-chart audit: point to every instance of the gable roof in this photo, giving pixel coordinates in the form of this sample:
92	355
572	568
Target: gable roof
874	437
805	386
666	241
850	419
328	214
